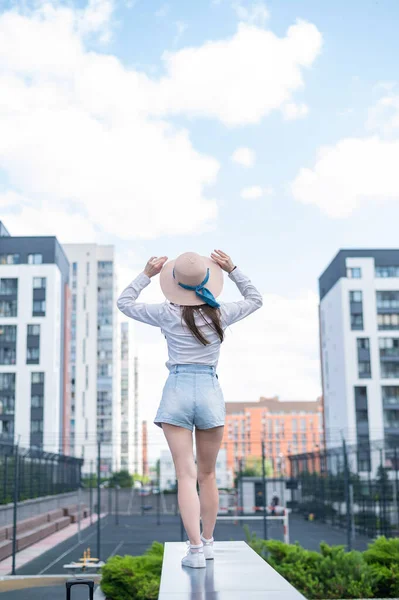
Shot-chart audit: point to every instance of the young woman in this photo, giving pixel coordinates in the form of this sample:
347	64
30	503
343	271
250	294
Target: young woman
193	323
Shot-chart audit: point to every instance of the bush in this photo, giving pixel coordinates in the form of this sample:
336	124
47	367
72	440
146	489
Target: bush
333	572
383	558
133	577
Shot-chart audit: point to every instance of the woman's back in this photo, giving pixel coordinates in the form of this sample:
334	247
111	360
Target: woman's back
183	346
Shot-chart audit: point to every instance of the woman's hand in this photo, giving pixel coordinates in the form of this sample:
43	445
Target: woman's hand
154	265
223	260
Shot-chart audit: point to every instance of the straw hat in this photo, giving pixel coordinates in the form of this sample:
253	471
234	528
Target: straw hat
191	269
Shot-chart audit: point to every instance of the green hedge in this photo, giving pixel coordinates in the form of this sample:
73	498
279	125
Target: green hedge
133	577
330	573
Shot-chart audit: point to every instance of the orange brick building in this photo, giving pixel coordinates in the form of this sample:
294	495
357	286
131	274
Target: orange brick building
285	427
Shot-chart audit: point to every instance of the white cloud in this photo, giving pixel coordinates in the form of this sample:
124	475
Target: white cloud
294	111
95	18
76	139
84	136
384	115
252	193
255	192
255	13
355	170
351	171
239	80
244	156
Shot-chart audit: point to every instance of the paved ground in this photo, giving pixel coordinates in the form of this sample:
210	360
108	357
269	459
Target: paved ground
134	535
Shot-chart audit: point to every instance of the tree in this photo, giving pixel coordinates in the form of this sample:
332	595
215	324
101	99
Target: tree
121	478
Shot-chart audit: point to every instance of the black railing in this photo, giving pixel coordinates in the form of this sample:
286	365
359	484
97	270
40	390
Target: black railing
38	473
354	487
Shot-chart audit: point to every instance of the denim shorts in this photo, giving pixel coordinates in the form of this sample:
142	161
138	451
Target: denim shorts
192	396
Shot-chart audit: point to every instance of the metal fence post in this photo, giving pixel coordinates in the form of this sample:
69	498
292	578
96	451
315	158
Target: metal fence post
91	492
117	505
16	494
264	485
159	499
347	498
98	500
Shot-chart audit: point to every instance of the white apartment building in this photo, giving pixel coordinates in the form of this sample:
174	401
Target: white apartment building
359	331
224	476
34	331
129	400
95	350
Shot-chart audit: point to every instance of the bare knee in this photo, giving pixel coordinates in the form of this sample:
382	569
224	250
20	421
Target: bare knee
186	474
206	476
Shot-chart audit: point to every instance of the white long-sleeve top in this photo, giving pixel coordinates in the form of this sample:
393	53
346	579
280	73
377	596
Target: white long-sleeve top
183	346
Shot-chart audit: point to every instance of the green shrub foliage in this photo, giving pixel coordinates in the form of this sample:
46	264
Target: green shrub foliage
333	572
330	573
133	577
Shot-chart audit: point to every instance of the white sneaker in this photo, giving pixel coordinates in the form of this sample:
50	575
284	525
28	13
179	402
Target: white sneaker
196	559
208	548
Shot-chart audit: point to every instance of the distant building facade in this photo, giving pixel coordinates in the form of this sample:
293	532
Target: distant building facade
285	428
34	342
359	331
95	356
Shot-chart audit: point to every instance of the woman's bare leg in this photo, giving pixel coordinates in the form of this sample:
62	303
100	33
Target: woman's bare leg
180	442
208	443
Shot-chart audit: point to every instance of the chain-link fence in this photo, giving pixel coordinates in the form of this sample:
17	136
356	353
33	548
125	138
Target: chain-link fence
353	487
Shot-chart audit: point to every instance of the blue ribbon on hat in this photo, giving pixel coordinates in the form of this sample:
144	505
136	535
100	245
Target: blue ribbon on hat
201	291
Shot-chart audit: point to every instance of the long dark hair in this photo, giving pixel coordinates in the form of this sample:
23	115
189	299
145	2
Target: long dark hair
188	315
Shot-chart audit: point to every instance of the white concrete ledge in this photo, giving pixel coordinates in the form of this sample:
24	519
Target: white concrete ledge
237	572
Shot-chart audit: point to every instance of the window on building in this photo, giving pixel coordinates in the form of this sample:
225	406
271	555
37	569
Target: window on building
36	426
391	271
33	356
8	287
9	259
8	333
34	329
303	424
7	382
37	377
39	308
356	309
388	299
7	404
388	321
39	283
363	343
391	419
362	428
6	428
363	358
390	395
35	259
354	273
8	308
37	401
87	273
7	356
294	425
74	269
356	296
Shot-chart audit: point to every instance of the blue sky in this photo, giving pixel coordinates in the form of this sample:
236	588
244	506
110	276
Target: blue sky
120	121
359	49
